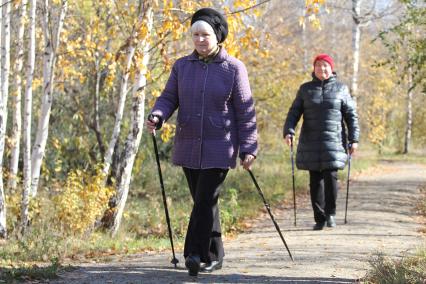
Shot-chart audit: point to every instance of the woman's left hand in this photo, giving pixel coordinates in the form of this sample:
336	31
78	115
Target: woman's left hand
248	160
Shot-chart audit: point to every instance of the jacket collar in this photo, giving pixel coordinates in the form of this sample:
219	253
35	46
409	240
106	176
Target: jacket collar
220	57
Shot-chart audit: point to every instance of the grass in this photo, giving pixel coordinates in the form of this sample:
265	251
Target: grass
31	272
406	270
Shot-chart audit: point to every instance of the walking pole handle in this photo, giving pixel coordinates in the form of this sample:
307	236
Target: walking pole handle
156	120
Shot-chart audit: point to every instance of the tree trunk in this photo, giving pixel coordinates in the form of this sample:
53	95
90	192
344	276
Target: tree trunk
27	118
131	147
49	60
130	51
304	41
96	124
17	115
5	66
356	38
409	112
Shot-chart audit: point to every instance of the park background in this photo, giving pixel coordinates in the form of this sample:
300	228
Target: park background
78	78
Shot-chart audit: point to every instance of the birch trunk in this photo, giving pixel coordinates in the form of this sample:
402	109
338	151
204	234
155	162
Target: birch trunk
133	139
409	121
51	44
122	100
27	118
96	123
5	66
305	66
356	38
17	115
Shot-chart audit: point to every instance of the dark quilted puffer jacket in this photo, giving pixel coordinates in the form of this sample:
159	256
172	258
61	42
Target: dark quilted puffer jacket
326	106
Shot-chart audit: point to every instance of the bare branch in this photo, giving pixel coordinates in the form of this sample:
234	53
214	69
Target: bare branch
248	8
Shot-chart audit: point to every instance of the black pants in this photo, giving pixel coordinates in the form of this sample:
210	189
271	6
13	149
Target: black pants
323	187
204	235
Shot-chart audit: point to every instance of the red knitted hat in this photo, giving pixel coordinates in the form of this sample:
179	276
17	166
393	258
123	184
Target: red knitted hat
325	57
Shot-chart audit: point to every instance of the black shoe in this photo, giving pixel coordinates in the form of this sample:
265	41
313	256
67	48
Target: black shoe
192	262
331	222
319	226
212	266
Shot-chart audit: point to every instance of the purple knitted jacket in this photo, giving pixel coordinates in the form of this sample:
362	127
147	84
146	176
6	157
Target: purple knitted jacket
216	117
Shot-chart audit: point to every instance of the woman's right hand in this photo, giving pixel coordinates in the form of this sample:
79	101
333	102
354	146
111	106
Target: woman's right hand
288	139
151	123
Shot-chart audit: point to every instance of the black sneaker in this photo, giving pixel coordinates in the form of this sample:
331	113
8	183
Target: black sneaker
331	222
319	226
192	262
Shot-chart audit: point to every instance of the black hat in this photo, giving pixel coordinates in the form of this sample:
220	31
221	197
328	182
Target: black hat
214	19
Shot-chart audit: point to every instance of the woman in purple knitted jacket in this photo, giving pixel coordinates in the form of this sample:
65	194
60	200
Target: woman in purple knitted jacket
216	122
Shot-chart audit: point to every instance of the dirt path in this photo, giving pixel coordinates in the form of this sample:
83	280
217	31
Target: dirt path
380	218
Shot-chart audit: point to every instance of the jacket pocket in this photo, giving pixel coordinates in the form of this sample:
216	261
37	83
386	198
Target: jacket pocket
182	127
219	128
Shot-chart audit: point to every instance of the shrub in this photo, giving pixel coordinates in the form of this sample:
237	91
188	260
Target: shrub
407	270
83	198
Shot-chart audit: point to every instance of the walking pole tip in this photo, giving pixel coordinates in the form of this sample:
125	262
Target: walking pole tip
175	261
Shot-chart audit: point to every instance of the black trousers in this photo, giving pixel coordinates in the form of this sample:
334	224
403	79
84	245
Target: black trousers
204	235
323	189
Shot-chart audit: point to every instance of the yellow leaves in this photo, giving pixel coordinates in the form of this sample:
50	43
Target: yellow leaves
56	143
37	83
242	4
378	108
310	3
58	166
168	131
315	22
151	100
83	198
13	202
312	10
168	4
155	93
143	32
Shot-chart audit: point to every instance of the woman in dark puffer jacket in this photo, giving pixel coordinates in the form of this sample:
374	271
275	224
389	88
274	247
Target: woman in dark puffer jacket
326	106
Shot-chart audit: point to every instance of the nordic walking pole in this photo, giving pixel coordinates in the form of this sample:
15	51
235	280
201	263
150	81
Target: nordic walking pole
269	211
163	192
292	175
347	182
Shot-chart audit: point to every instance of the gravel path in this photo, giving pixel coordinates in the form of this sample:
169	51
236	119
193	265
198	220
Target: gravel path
381	217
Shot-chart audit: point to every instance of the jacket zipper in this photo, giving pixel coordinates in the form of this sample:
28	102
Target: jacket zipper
202	113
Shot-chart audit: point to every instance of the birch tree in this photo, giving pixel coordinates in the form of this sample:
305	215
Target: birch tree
360	20
26	187
96	126
17	115
51	43
356	38
135	133
405	44
409	119
5	66
129	48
